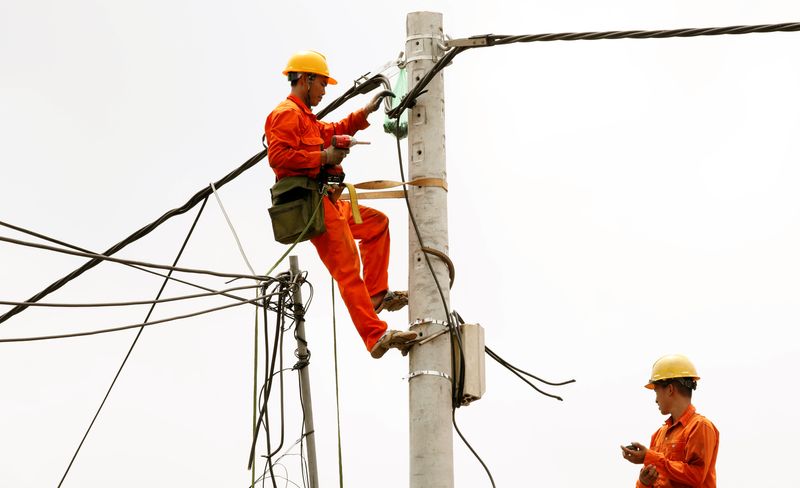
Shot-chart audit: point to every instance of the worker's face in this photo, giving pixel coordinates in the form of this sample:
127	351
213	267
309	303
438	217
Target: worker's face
663	398
317	90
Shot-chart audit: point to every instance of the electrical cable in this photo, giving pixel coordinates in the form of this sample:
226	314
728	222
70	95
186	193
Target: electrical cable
133	344
100	257
454	333
127	304
194	200
233	230
77	248
497	40
128	327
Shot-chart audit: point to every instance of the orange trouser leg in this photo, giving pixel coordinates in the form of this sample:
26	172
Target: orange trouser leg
338	252
373	237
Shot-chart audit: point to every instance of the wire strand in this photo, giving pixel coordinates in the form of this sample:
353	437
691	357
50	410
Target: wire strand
127	304
101	257
128	327
77	248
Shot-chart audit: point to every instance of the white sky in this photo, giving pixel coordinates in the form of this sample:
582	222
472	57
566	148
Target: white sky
610	202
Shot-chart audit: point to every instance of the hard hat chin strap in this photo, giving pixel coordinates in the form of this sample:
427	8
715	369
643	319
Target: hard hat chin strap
310	77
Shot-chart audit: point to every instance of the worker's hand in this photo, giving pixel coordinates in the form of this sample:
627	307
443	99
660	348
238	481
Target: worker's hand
334	156
648	475
634	453
375	103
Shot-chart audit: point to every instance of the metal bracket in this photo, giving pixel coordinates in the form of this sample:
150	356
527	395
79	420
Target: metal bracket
427	320
428	372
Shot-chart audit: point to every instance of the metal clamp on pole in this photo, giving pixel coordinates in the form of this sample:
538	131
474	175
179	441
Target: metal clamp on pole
428	372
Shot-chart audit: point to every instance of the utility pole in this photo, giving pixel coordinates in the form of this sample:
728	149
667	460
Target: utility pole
305	382
430	397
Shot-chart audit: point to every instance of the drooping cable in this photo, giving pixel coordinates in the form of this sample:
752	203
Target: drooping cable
194	200
133	344
131	303
77	248
101	257
128	327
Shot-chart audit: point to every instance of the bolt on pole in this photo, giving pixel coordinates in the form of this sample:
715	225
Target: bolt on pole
430	397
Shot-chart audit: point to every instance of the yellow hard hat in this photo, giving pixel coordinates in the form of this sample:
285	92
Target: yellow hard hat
308	62
672	366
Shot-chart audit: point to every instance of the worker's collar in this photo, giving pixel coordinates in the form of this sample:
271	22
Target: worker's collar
297	101
684	419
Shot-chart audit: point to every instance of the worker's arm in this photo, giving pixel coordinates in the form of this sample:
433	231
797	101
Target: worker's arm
290	146
699	447
351	124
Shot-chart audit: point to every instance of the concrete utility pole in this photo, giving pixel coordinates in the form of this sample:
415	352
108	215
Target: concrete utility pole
430	404
305	382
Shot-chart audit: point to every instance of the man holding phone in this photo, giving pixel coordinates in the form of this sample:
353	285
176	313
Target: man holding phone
683	452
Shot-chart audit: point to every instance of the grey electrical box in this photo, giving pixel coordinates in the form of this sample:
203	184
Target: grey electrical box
472	341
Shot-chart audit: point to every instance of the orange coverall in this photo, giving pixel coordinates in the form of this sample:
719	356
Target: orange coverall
296	139
684	452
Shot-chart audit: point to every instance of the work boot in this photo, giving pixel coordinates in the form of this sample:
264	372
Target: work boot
392	301
399	339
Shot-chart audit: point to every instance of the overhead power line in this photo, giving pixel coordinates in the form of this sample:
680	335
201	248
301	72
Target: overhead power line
77	248
132	326
457	46
100	257
194	200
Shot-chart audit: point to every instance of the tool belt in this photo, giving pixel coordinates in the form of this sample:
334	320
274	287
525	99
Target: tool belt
295	201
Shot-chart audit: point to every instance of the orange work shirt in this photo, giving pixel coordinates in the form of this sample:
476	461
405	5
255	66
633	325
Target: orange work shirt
296	138
684	452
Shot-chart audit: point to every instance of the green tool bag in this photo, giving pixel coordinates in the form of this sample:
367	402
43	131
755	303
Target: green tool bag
296	207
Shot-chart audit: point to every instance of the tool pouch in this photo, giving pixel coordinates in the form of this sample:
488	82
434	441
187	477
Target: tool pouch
294	200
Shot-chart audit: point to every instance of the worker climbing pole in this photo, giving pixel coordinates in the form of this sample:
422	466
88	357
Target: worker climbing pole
306	160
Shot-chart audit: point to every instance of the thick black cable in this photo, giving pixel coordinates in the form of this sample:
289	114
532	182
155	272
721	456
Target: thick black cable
77	248
194	200
101	257
133	344
644	34
497	40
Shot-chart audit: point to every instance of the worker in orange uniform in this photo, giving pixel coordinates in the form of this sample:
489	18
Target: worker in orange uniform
683	452
300	145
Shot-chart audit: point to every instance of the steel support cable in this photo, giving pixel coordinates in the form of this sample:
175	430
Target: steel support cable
194	200
101	257
77	248
127	304
133	344
132	326
498	40
645	34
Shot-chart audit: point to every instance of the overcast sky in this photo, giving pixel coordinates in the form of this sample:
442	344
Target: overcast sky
610	202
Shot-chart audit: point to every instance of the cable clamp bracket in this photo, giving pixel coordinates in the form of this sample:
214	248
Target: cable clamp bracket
430	373
428	320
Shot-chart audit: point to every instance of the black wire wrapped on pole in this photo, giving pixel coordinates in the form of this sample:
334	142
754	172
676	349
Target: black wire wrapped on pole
197	198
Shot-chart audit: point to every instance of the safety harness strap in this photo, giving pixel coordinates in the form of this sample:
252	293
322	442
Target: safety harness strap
384	184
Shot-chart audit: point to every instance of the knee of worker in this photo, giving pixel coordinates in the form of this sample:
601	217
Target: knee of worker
375	224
